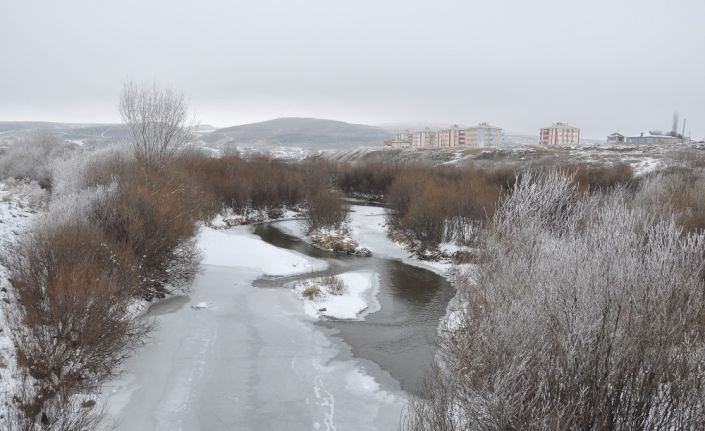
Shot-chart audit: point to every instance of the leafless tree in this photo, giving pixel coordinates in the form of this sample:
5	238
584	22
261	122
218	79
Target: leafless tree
157	121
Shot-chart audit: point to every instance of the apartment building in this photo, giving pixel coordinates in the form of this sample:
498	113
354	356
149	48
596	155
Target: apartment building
483	135
560	134
448	138
424	139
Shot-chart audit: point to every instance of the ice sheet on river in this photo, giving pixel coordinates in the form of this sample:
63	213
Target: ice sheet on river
251	360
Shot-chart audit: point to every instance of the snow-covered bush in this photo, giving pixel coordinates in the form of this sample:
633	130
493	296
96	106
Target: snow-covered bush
31	158
87	169
586	313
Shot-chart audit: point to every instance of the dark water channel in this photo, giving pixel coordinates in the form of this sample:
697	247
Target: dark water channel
401	337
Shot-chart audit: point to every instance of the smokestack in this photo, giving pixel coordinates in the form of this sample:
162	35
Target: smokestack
674	128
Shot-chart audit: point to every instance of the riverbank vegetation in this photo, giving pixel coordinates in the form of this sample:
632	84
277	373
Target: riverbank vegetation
585	309
586	312
119	229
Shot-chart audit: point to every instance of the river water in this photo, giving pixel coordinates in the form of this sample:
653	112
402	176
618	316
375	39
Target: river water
252	360
401	336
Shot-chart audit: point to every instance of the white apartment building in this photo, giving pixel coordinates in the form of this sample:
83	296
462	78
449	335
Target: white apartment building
449	138
483	135
560	134
423	139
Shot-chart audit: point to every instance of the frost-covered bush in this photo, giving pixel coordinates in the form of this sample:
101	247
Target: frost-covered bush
586	313
76	207
87	169
31	158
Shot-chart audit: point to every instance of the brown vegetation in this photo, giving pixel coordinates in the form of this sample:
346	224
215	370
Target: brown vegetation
324	209
70	327
432	206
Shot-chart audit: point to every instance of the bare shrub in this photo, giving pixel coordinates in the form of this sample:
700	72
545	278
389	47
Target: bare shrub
333	285
596	177
311	292
432	206
69	320
62	412
680	195
260	183
324	209
367	178
156	221
426	216
402	191
586	313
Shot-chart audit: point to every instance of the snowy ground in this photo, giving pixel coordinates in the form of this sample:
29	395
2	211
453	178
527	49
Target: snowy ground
642	158
247	358
19	203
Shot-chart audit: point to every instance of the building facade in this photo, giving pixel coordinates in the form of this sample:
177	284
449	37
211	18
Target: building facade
483	135
449	138
560	134
424	139
650	139
615	138
400	140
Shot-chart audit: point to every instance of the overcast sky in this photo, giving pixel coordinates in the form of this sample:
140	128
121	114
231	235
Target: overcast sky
602	65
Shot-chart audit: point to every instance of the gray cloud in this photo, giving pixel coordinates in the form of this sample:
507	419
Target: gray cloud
601	65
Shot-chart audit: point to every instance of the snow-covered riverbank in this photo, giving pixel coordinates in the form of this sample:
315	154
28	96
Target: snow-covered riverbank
251	359
366	226
19	203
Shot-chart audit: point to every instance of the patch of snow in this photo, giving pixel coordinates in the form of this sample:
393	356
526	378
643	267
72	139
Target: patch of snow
229	218
201	305
646	166
357	300
450	248
251	252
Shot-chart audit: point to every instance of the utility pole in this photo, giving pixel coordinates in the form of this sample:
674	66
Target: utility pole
683	134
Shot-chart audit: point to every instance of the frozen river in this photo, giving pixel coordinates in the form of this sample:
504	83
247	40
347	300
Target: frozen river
251	359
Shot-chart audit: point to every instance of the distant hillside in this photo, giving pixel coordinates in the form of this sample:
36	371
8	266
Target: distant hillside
78	133
75	132
310	133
